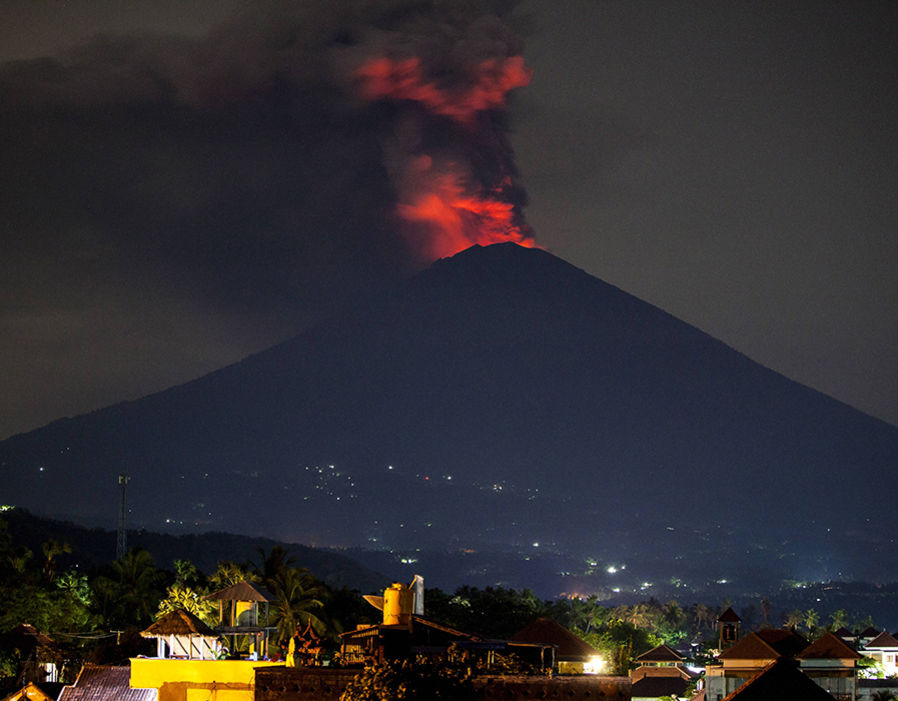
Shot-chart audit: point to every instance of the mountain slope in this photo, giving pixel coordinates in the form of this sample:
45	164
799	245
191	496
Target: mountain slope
501	398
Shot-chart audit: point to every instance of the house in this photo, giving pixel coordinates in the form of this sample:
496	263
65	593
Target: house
571	654
661	672
832	665
866	636
97	682
781	680
884	649
748	657
42	659
828	663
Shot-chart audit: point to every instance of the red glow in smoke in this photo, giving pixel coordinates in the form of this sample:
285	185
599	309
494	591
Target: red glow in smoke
444	208
455	221
404	79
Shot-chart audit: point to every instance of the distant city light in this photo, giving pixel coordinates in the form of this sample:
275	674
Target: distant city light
611	569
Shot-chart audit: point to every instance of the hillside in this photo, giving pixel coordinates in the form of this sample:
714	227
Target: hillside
500	399
94	547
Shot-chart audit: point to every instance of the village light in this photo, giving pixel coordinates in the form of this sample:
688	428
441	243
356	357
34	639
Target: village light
595	665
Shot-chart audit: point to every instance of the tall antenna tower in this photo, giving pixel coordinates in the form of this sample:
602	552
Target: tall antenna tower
121	545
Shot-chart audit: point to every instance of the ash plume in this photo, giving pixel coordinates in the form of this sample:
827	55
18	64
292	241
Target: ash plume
171	203
296	144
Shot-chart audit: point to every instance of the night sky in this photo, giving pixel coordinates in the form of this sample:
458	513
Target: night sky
187	183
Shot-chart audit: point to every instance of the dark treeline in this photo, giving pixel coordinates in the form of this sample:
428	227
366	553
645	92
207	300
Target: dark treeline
95	613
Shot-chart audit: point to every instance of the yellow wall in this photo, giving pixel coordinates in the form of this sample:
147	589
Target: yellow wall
197	680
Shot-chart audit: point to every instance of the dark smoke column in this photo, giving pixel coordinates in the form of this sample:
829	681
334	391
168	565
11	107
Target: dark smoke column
445	86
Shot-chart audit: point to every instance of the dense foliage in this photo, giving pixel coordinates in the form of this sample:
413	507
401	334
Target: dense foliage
96	615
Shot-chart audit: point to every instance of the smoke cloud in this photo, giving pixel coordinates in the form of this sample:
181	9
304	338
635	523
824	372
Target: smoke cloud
297	156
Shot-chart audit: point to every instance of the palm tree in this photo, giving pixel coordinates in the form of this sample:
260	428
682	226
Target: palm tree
839	619
190	600
795	619
274	562
811	619
137	582
298	598
51	548
230	573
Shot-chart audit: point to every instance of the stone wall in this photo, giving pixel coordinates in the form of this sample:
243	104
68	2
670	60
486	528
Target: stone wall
325	684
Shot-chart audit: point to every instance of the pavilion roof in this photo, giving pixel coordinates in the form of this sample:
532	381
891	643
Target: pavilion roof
178	622
548	632
242	591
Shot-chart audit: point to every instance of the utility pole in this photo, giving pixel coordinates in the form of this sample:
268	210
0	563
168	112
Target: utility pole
121	545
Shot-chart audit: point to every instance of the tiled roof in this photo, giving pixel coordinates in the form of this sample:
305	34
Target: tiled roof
882	641
870	632
843	632
36	692
179	622
779	681
548	632
828	647
654	687
751	647
242	591
660	653
100	683
786	642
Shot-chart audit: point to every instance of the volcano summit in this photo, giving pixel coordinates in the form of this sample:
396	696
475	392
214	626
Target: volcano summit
499	399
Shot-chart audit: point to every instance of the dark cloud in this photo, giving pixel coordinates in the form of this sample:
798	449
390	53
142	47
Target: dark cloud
242	178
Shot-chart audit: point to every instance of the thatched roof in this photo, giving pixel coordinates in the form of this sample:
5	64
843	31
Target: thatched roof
243	591
179	622
548	632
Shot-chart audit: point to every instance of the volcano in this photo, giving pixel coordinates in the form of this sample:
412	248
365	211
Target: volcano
499	399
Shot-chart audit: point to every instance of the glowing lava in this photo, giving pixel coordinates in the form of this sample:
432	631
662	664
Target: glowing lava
461	192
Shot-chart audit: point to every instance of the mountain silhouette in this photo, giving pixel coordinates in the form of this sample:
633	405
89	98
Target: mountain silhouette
501	398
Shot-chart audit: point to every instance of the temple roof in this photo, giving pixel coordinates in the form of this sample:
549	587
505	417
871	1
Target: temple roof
729	616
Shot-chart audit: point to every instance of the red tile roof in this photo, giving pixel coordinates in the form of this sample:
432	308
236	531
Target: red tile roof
546	631
779	681
751	647
766	644
882	641
828	647
653	687
100	683
660	653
